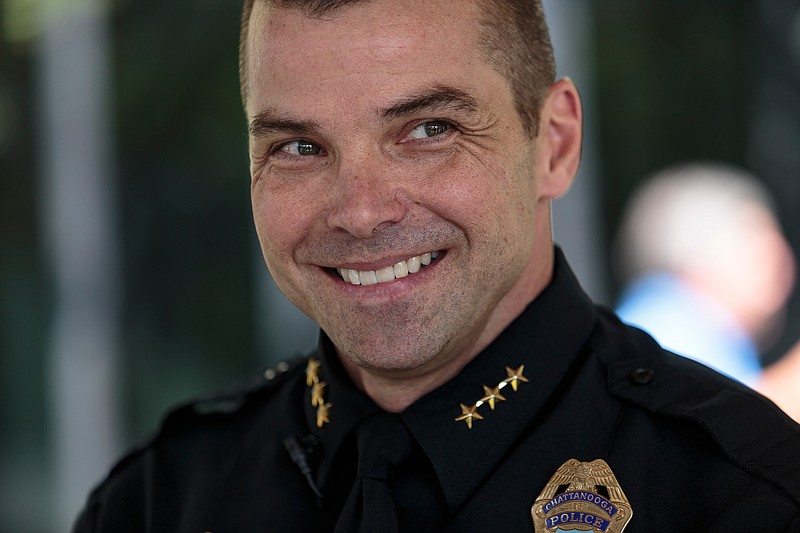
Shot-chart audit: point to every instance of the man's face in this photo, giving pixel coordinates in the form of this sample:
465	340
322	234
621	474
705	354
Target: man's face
380	135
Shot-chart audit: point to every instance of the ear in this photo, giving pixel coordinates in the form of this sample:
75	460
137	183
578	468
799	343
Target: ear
559	140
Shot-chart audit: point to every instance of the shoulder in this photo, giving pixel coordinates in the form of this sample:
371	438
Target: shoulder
747	430
234	400
234	406
192	438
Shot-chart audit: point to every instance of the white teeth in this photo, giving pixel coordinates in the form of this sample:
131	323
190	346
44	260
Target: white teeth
384	275
413	265
368	277
401	269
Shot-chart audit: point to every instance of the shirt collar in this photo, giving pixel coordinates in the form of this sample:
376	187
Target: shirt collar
546	339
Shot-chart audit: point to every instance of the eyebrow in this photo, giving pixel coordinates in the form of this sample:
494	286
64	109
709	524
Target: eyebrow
269	122
438	98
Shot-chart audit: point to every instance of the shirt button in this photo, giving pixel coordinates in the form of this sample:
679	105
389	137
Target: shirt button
642	376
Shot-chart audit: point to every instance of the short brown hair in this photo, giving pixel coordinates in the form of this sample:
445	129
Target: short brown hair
515	39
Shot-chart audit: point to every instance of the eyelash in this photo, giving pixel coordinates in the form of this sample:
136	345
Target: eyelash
449	129
280	149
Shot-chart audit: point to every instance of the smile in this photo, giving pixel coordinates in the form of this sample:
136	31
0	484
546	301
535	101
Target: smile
402	269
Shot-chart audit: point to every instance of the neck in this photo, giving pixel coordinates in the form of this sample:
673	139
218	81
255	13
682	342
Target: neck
394	391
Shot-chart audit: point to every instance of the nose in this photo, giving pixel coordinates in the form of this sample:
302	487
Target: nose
363	197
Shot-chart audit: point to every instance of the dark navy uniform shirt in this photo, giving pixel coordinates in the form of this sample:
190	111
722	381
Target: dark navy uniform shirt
692	450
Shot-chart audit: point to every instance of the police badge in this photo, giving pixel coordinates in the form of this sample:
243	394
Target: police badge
582	497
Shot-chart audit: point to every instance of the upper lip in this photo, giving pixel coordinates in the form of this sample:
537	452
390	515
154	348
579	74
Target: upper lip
385	262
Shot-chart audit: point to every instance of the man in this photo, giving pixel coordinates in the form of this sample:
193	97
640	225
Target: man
404	157
710	272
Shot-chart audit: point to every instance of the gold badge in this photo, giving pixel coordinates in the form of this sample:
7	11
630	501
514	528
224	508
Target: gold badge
582	497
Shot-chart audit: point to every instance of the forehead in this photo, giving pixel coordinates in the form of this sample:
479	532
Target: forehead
380	46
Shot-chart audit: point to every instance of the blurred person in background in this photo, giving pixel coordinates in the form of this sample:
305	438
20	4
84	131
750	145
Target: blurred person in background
709	272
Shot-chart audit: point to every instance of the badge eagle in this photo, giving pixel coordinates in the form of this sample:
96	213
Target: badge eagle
582	497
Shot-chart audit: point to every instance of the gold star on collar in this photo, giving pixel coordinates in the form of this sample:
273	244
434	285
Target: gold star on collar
491	395
312	371
317	392
468	414
515	376
323	415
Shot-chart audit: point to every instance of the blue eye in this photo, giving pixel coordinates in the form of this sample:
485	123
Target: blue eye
301	148
427	130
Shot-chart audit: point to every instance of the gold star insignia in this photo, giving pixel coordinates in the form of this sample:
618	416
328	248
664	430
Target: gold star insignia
317	392
515	376
312	371
468	414
323	414
492	395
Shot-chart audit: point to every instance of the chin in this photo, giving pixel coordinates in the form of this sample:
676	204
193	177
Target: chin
384	361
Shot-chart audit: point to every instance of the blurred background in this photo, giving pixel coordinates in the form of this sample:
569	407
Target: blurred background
130	275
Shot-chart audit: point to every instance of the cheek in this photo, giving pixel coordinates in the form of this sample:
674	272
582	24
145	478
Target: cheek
280	223
496	200
280	226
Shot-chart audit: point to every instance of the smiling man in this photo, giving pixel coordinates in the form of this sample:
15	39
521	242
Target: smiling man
404	156
380	142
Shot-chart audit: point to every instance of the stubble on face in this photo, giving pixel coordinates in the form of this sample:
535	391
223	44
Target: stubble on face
390	334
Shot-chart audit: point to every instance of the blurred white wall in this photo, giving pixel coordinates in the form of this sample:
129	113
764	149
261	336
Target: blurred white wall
577	217
81	244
